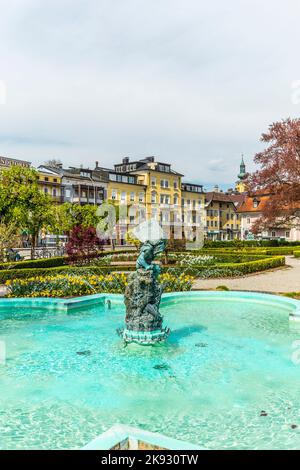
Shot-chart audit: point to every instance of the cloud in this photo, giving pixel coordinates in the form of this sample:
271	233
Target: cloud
194	83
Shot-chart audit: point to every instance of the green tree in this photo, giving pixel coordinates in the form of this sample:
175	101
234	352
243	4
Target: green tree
68	215
8	239
23	203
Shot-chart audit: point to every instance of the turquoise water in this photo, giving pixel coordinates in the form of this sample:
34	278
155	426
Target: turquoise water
68	377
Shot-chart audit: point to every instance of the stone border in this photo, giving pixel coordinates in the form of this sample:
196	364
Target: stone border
121	436
290	305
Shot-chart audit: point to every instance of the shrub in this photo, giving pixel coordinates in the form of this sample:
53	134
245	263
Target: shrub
83	244
297	254
35	263
225	288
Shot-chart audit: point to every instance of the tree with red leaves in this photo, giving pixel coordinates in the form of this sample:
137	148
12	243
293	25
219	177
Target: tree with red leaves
83	244
279	175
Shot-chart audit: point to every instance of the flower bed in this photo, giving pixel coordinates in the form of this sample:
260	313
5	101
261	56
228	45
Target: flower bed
74	285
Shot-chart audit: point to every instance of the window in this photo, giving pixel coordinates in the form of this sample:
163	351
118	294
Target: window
287	234
46	178
273	234
131	179
153	181
67	193
123	196
113	177
132	196
248	221
175	184
153	197
46	190
154	214
114	194
141	197
255	203
175	200
54	192
164	183
131	219
55	180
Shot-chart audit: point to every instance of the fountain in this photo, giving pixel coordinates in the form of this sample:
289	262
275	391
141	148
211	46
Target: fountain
143	321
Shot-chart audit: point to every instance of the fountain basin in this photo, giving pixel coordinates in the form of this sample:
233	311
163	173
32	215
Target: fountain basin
227	377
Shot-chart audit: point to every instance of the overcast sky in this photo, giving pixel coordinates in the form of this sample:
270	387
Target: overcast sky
192	82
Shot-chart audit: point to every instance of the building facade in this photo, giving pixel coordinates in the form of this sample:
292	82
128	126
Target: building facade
223	222
251	211
50	183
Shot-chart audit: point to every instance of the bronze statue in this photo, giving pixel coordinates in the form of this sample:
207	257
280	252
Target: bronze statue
142	298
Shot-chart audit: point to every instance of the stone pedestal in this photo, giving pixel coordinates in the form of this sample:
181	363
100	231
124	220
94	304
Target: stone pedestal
142	299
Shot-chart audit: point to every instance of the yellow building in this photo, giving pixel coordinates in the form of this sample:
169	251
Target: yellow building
222	219
162	190
157	188
50	183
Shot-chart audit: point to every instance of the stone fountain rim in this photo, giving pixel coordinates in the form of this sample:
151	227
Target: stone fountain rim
53	304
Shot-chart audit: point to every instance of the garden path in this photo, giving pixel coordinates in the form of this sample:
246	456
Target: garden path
285	279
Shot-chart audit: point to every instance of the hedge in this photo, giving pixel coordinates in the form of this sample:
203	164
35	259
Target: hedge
248	243
6	275
221	269
34	263
228	256
297	254
280	250
231	269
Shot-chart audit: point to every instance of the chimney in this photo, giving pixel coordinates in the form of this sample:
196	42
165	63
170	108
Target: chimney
97	165
125	160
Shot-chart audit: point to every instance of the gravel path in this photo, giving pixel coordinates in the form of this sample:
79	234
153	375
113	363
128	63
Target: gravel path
278	280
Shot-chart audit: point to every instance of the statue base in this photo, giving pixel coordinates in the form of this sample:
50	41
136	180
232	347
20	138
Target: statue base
144	337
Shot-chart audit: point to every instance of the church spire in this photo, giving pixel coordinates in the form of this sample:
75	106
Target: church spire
242	172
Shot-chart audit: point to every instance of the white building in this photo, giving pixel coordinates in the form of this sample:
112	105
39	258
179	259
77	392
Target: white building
251	210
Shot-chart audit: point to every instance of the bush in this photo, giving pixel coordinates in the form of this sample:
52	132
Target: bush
83	244
297	254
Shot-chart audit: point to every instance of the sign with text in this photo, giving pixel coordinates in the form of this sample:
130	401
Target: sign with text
7	162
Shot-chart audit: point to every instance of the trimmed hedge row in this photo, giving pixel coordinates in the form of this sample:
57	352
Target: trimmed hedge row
281	250
220	270
232	269
248	243
229	256
297	254
34	263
